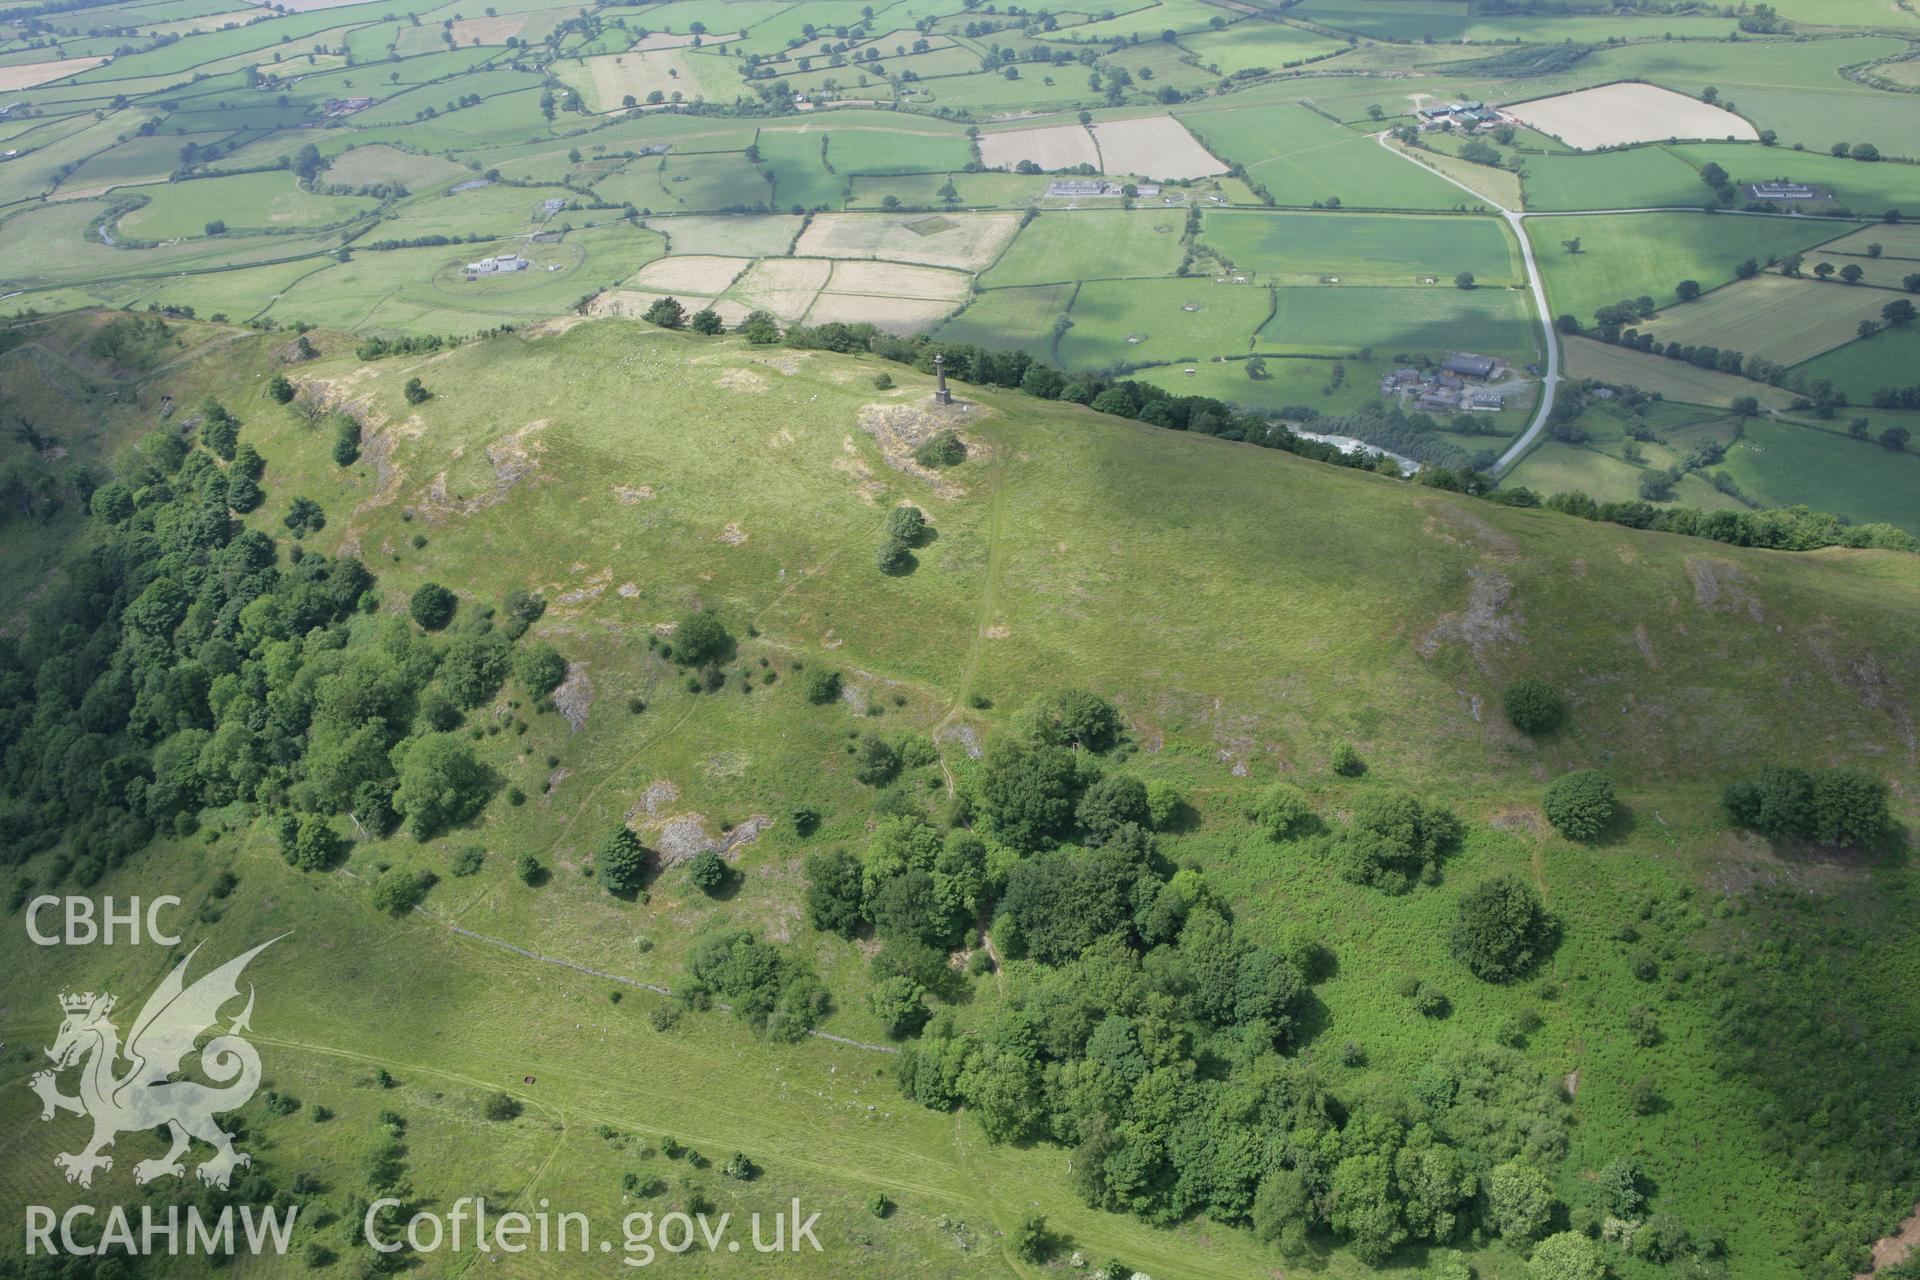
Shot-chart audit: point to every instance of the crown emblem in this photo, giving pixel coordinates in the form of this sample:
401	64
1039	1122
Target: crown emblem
79	1002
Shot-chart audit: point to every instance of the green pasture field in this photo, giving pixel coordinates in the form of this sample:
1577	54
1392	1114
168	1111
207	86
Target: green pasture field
1779	464
873	151
1303	158
137	160
1432	319
248	201
732	235
1865	187
1638	178
1021	319
1890	358
1148	321
1879	273
991	92
690	184
1376	248
372	165
33	173
1145	22
1782	319
1062	247
239	293
298	30
800	176
1845	13
1288	383
49	245
1158	63
1556	467
490	211
976	190
402	291
1623	256
1499	186
1454	20
1898	241
1675	380
1256	42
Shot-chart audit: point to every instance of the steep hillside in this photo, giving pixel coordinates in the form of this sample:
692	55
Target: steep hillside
1247	612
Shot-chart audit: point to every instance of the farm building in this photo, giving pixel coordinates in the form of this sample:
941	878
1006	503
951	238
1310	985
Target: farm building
1469	365
337	107
1784	191
1486	401
1460	115
497	265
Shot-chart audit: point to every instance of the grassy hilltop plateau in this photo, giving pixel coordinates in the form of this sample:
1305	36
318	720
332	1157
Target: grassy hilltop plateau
1217	799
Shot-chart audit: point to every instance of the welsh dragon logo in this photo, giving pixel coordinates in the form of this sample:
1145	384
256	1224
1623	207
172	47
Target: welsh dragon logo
145	1095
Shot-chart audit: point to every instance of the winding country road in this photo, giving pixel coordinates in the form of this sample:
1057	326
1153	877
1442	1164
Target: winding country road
1549	334
1550	340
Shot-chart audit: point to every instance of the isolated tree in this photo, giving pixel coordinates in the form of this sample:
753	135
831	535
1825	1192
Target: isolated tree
707	872
621	861
666	312
280	389
1822	269
875	760
398	891
1571	246
415	392
1895	438
1898	312
1687	290
706	320
1501	930
1533	706
907	523
821	685
892	556
1464	280
759	328
1580	804
699	639
432	606
1852	273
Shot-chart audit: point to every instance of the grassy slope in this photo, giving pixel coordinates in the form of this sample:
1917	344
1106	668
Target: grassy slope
1246	609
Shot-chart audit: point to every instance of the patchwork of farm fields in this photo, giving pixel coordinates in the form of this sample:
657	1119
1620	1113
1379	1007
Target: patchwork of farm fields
250	170
1776	317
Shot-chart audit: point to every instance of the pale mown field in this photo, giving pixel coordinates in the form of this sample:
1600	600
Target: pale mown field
1618	113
